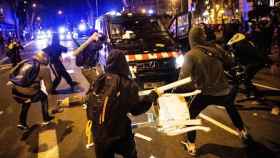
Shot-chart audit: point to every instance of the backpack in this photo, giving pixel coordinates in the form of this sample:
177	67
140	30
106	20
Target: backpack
103	106
25	73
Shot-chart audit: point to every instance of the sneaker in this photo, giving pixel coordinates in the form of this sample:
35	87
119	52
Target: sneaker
48	121
23	127
190	147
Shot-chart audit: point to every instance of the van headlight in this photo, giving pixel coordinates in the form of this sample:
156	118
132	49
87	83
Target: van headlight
179	61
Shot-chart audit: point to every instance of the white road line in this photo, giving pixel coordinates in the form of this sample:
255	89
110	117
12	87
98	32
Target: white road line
27	44
219	124
48	147
264	86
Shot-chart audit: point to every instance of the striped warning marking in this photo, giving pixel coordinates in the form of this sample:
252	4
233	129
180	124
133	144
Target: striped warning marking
219	124
48	147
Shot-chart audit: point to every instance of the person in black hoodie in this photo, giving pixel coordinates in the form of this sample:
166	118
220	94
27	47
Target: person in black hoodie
54	52
116	136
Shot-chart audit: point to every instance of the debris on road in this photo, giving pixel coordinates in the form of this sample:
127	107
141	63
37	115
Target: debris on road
255	114
1	112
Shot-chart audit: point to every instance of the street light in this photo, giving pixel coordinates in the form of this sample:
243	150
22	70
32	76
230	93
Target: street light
34	5
38	18
59	12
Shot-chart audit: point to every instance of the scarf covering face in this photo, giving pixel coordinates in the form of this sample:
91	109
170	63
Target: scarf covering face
117	64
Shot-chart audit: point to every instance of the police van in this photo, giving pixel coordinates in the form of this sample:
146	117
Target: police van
150	50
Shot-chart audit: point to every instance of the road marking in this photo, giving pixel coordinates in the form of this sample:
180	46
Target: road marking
264	86
3	60
48	147
138	135
27	44
219	124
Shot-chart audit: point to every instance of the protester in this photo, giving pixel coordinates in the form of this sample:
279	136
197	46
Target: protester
87	56
205	63
54	52
27	80
115	95
249	56
13	51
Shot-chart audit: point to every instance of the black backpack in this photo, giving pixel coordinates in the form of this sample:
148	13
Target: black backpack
25	73
103	106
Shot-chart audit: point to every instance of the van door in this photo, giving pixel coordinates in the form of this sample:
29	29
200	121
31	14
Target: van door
179	29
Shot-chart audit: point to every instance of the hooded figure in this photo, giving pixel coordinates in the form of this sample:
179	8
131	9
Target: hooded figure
204	63
117	64
54	51
113	134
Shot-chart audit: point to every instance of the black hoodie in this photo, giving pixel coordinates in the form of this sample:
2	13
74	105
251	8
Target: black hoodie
117	71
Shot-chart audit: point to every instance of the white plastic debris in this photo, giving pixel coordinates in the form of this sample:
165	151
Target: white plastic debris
1	112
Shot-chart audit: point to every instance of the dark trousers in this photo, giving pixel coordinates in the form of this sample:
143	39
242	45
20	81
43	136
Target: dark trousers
124	147
43	98
59	72
200	102
251	71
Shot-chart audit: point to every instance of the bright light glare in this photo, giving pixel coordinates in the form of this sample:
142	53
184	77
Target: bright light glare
82	27
42	43
62	37
151	11
179	61
61	29
68	36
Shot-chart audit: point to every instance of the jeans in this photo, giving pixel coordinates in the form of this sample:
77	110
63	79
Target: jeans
200	102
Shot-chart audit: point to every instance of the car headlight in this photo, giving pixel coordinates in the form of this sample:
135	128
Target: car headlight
179	61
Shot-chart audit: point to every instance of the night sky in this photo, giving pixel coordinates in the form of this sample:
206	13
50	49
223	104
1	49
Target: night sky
74	10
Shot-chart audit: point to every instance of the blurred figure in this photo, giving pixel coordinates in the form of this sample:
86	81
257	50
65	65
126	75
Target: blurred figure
13	51
205	64
30	81
54	52
248	55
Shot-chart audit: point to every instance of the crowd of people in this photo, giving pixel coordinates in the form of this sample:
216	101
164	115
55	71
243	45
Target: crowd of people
113	94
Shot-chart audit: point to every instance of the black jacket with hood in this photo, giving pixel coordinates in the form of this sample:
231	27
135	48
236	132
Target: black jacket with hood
207	72
129	100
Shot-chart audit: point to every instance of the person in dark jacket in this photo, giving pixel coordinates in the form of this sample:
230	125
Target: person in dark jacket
25	95
129	102
248	55
87	56
205	63
54	52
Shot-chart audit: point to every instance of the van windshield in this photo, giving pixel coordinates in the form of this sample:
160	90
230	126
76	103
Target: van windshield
140	34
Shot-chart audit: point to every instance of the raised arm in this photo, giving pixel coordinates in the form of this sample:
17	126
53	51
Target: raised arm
93	37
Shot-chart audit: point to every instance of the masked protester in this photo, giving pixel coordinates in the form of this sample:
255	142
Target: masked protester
205	63
54	52
112	96
30	81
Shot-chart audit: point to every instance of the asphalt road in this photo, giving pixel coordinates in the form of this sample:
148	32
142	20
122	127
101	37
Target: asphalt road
65	137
